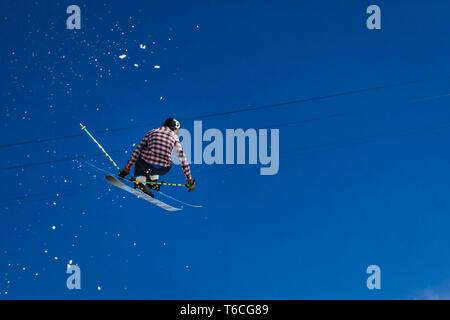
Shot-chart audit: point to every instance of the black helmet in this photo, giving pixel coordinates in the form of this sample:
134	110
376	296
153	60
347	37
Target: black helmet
172	123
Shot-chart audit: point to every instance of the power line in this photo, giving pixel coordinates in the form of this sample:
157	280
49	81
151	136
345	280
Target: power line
368	139
77	157
296	152
432	98
302	151
219	114
36	141
43	163
304	100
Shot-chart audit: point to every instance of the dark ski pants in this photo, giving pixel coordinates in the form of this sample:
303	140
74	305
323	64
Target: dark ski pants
142	168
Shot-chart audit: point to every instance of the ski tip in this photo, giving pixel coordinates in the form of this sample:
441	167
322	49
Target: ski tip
110	178
193	205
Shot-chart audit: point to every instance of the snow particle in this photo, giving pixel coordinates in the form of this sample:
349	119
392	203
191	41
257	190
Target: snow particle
157	67
122	56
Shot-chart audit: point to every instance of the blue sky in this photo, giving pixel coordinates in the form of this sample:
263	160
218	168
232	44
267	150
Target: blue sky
363	177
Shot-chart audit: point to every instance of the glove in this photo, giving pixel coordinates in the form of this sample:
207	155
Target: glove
190	185
124	173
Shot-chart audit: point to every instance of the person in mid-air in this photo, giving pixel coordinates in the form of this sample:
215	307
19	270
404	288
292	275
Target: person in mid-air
153	157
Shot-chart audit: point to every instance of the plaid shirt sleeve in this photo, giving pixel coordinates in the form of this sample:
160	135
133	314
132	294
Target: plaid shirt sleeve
137	151
183	161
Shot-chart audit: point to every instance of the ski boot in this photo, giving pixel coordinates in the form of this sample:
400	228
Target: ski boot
140	183
153	185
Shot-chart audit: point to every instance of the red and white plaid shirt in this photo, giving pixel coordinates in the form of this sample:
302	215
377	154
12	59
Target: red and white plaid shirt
157	147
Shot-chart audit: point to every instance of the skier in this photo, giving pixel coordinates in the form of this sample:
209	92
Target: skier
153	157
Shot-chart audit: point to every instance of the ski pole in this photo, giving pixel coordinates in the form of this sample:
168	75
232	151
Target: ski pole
163	183
83	128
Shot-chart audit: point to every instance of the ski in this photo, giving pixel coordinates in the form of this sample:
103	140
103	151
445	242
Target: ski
138	193
179	201
154	191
